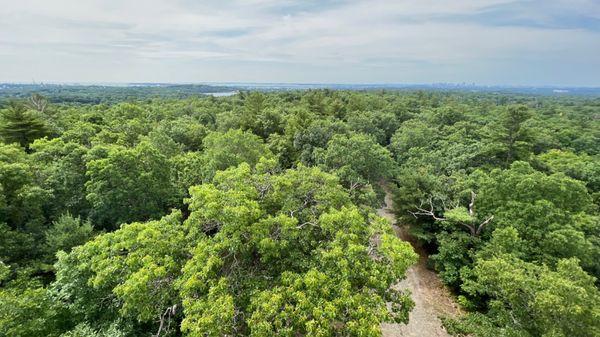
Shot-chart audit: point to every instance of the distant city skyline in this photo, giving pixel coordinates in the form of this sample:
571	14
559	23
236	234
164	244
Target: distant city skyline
486	42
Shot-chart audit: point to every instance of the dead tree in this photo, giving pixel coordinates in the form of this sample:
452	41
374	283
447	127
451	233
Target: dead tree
474	229
37	102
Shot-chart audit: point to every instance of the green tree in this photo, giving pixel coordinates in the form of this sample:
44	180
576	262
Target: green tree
275	267
22	207
66	233
533	300
315	136
412	134
578	166
552	213
509	137
185	131
27	310
188	169
135	267
231	148
357	159
379	124
126	185
61	168
21	126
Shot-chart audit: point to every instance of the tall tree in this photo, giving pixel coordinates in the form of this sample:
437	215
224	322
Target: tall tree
509	136
21	126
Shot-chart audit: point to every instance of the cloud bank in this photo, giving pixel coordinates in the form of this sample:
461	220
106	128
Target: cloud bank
376	41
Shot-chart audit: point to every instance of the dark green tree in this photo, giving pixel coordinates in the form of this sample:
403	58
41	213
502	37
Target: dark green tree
129	184
21	126
509	136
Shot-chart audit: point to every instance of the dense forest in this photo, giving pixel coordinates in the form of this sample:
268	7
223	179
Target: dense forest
254	214
106	94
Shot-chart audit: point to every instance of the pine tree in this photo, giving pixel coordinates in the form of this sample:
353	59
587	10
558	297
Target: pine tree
21	126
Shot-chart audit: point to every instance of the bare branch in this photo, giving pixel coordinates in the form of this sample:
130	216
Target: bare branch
306	223
166	315
470	227
483	224
472	204
354	185
475	231
424	212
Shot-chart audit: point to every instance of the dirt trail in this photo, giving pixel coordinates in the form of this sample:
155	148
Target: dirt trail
431	299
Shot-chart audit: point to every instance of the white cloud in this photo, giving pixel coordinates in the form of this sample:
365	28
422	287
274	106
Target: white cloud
256	40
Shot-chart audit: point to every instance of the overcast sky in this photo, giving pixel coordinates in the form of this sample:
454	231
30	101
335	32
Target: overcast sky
538	42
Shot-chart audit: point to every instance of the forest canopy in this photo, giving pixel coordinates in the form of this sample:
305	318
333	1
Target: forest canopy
254	214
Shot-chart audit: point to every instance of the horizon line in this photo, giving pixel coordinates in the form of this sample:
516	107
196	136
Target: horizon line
234	83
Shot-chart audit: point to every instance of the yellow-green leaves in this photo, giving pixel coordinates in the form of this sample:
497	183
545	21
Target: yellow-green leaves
536	299
288	254
260	254
138	264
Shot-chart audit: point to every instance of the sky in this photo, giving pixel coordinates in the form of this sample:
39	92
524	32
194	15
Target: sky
487	42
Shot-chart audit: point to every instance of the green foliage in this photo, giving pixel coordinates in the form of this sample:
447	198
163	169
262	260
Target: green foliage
455	251
133	269
258	117
509	136
522	184
548	212
359	162
535	300
22	203
126	185
315	136
526	299
62	167
379	124
356	159
232	148
577	166
277	235
67	232
22	199
4	271
185	131
188	169
27	310
85	330
21	126
253	237
412	134
537	186
283	260
17	245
